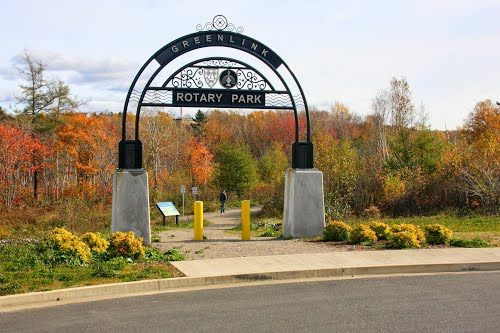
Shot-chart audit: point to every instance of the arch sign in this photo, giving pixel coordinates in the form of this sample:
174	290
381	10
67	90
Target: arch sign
172	78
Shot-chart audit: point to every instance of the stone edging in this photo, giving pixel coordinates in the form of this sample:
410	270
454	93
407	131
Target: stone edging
161	285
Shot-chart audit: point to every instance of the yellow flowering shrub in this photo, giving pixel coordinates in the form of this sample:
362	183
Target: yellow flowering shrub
337	231
65	241
363	234
4	233
437	234
419	233
404	240
96	243
125	244
382	230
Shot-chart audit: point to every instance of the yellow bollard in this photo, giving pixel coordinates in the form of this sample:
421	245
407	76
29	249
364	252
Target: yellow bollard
245	220
198	220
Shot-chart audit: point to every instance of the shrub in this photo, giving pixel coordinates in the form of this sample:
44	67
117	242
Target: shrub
152	254
96	243
372	212
363	234
67	243
419	233
381	229
437	234
125	244
174	255
337	231
403	240
476	242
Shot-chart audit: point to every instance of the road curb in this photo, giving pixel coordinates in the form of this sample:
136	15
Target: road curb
69	295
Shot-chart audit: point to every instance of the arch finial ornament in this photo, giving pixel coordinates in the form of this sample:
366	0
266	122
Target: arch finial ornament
220	23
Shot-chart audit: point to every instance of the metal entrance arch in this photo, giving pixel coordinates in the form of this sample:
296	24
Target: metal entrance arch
250	86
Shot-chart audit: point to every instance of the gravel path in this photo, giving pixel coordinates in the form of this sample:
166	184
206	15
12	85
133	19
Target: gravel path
223	244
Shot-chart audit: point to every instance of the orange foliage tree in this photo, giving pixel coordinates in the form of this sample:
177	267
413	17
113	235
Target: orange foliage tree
19	149
201	163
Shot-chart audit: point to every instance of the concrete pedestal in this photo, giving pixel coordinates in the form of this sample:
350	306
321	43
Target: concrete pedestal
131	203
304	209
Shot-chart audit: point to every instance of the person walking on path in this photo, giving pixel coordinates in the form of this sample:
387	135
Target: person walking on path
222	199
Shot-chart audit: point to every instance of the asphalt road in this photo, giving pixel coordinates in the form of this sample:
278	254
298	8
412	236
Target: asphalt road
448	302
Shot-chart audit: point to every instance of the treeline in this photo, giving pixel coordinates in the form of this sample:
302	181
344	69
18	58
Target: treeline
389	161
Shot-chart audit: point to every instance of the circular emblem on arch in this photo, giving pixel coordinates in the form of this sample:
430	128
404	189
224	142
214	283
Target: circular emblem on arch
220	22
228	78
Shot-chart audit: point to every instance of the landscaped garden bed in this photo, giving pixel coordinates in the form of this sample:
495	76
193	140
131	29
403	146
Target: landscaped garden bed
396	235
63	260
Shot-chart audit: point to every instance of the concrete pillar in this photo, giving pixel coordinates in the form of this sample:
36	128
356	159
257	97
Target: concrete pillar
304	207
131	203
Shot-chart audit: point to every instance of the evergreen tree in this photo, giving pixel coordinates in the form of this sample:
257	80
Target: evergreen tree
198	126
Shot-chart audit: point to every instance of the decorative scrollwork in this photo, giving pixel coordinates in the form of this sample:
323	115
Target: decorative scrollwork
206	75
250	80
188	78
219	23
218	63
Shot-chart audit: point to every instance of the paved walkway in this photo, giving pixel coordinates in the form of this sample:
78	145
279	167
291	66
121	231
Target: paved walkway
223	244
336	260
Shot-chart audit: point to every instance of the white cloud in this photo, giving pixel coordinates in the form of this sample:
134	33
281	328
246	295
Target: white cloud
8	73
108	72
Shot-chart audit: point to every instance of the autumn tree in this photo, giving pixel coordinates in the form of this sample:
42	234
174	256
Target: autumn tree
480	164
380	107
157	139
272	165
18	150
402	110
41	98
344	121
339	163
201	161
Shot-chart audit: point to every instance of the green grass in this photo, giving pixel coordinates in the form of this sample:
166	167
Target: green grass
25	268
189	224
457	224
475	242
262	227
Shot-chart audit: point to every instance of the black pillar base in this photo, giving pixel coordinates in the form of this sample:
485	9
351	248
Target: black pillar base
302	155
130	154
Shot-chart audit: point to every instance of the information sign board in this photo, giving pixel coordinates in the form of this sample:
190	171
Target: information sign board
167	208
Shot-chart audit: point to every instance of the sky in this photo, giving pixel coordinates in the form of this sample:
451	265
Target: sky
345	51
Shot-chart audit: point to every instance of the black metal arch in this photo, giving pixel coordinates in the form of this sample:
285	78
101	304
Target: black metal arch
130	151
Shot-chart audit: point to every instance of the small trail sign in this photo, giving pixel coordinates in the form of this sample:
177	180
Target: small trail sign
183	189
194	190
